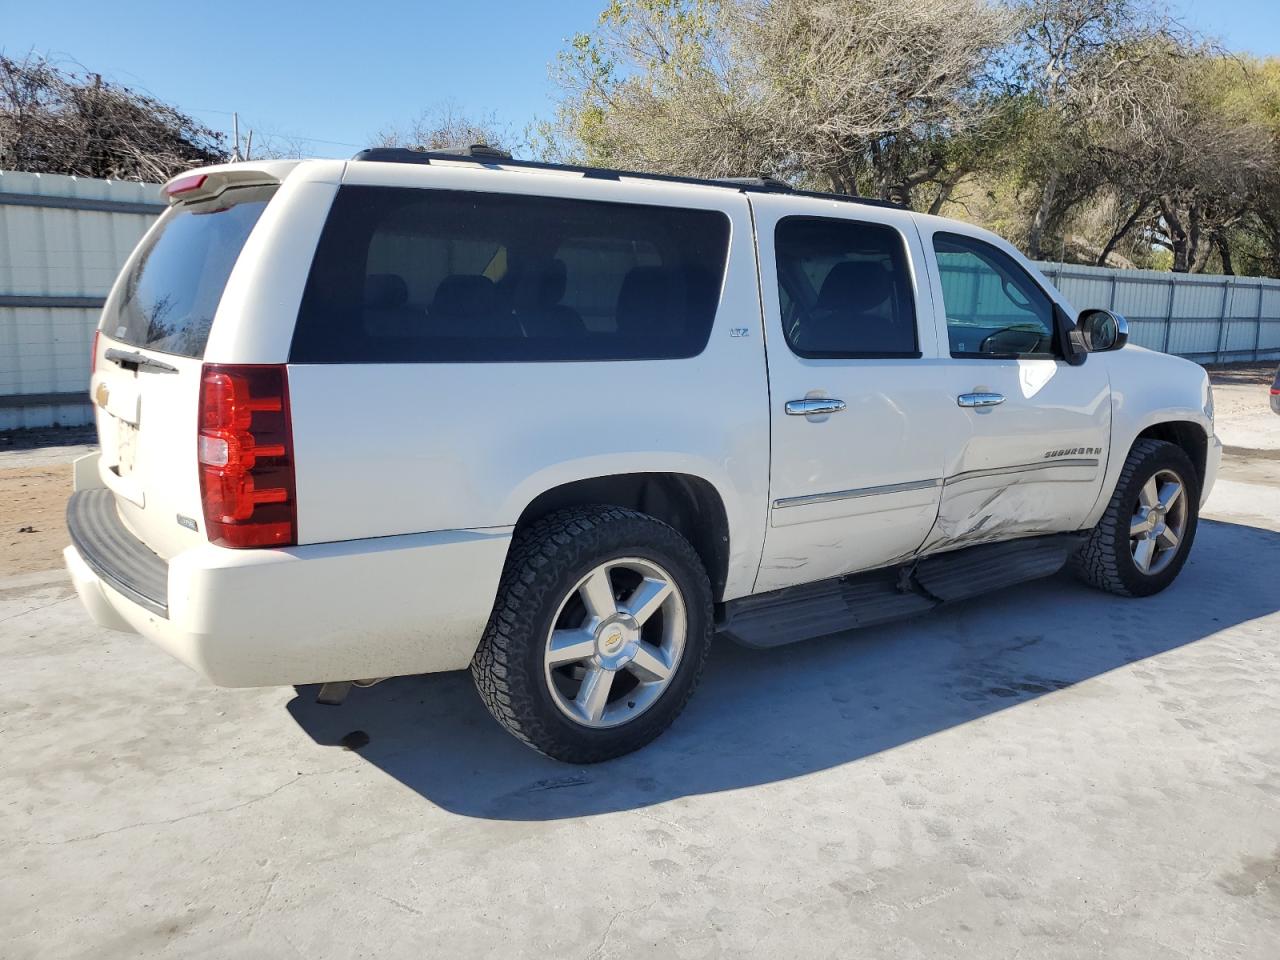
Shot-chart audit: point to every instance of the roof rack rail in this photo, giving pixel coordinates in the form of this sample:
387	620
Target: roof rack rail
760	183
481	152
492	156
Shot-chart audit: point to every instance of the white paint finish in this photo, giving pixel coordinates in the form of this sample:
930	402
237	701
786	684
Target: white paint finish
415	604
1070	411
160	481
892	431
93	594
151	463
255	318
386	454
1150	388
387	449
84	472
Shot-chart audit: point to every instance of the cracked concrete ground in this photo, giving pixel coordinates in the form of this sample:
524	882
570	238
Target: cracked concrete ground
1048	773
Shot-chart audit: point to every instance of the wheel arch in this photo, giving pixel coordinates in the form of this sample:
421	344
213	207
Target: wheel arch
1188	435
690	504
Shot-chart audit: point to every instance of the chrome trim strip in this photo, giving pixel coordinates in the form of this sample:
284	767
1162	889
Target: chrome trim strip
855	494
1024	468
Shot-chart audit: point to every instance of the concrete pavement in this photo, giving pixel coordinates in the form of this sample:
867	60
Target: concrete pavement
1048	773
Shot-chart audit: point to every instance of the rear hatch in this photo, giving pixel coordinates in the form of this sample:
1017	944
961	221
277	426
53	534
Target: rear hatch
148	356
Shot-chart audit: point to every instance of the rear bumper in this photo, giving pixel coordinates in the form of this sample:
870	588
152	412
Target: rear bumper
336	611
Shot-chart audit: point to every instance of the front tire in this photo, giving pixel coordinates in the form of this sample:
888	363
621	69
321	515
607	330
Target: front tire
599	634
1145	535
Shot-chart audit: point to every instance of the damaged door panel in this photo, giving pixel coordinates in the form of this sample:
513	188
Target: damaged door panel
859	415
986	505
1031	453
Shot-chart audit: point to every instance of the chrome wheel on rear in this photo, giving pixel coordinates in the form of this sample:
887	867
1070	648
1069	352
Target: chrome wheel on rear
615	643
1159	522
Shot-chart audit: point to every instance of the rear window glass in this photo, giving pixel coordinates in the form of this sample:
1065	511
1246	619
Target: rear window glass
172	287
409	275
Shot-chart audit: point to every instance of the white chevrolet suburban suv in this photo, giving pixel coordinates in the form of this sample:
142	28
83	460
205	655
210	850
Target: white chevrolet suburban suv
429	411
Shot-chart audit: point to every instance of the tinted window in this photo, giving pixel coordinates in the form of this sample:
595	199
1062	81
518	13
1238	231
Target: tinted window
405	275
844	289
172	288
993	307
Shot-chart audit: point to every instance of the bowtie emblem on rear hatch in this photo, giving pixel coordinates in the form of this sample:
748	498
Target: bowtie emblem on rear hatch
101	395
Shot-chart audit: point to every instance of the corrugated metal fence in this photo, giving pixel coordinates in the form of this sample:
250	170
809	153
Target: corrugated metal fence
62	242
1204	318
63	239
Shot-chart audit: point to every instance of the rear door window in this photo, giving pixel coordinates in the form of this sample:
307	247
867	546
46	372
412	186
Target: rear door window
844	288
410	275
173	284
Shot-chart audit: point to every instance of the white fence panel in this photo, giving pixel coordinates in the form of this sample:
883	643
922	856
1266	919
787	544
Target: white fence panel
62	242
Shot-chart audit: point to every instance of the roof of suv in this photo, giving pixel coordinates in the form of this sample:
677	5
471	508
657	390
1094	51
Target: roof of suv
492	157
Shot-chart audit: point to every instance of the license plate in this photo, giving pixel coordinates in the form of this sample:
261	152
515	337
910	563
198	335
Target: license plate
126	447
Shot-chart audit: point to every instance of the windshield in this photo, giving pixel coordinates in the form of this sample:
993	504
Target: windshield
173	284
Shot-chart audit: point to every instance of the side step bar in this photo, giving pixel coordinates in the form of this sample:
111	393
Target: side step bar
880	596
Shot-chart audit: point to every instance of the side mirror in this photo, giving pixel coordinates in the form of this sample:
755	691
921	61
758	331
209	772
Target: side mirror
1102	330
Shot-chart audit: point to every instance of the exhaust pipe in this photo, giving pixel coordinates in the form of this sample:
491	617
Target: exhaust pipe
335	691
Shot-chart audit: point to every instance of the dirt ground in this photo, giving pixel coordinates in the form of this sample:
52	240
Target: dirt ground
35	480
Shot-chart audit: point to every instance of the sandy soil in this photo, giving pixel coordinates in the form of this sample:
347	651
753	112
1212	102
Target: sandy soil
32	529
35	482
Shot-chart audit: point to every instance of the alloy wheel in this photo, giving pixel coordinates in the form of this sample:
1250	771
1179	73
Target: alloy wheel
615	643
1159	522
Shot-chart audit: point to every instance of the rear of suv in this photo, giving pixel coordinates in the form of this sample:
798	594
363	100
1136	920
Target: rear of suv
424	412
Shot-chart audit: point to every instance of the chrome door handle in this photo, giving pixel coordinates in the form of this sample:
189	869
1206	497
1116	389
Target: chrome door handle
815	405
980	399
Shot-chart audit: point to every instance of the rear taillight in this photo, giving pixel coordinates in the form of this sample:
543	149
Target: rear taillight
93	354
245	451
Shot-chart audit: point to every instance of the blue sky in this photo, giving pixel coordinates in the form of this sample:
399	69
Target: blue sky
337	73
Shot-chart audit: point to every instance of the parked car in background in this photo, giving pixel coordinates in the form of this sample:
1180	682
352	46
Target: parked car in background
418	412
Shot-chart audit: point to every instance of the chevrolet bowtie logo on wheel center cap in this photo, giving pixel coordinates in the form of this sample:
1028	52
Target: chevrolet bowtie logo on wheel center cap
613	641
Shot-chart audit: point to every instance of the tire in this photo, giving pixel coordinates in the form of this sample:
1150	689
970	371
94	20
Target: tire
1110	560
552	582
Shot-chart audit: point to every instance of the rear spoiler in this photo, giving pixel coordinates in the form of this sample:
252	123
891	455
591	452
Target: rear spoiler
205	183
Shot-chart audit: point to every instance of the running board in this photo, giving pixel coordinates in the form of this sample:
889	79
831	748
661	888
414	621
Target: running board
880	596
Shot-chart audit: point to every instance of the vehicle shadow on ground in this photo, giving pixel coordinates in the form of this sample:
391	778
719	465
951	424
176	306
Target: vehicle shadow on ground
767	715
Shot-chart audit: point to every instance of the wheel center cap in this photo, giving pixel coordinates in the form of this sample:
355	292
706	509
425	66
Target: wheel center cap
617	642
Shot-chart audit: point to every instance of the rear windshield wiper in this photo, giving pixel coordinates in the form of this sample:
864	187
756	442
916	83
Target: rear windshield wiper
132	358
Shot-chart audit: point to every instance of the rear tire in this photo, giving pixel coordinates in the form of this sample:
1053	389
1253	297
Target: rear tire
1145	535
599	634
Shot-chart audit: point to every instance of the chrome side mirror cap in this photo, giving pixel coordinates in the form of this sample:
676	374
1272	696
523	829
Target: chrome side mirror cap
1102	330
